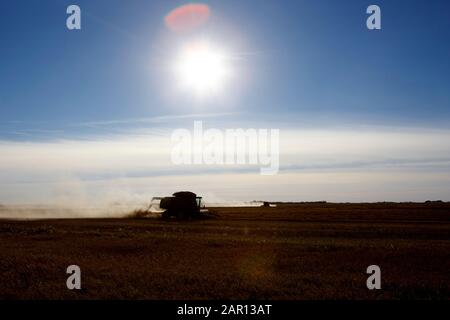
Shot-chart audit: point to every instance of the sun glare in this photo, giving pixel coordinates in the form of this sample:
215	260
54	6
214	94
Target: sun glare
202	69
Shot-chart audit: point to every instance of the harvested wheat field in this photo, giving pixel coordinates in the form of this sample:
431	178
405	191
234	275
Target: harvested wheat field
293	251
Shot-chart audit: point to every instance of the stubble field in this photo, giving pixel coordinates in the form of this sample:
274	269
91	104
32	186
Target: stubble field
293	251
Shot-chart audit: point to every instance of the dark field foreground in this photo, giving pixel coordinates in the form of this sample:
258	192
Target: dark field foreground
302	251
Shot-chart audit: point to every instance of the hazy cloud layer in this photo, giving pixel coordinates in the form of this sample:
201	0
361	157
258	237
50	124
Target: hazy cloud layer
370	164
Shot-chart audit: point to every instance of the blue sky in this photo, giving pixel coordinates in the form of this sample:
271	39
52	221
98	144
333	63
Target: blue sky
313	58
299	65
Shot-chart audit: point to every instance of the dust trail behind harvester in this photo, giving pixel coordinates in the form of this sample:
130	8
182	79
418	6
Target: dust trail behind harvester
38	212
114	210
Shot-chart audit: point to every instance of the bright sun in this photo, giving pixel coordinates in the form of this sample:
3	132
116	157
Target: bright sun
202	69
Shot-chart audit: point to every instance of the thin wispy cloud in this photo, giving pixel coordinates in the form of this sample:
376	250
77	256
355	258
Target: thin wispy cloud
153	120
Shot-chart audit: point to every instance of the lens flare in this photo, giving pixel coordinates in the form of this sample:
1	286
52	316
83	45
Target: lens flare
187	17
